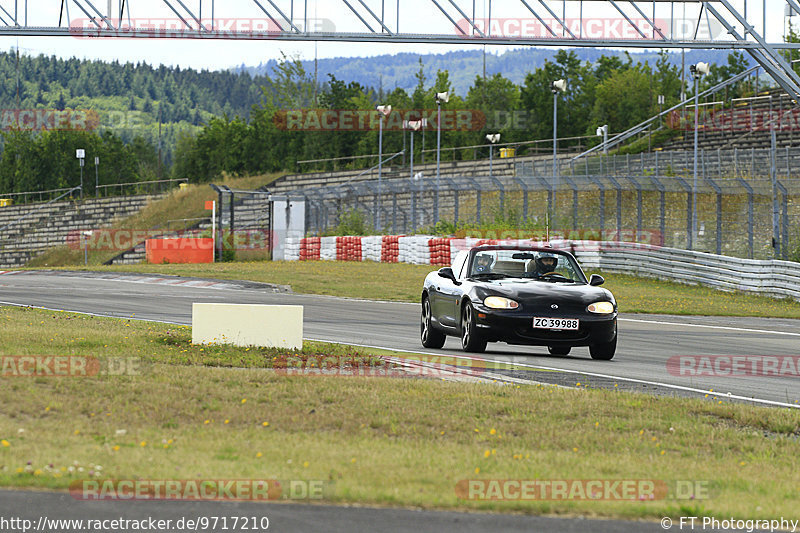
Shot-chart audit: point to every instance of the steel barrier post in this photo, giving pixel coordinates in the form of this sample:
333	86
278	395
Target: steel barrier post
688	189
602	201
574	201
784	221
663	208
749	190
619	204
524	188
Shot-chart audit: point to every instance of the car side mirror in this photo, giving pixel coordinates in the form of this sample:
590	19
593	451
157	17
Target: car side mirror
447	273
596	280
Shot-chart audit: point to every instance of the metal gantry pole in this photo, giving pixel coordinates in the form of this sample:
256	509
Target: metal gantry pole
412	154
438	157
694	187
380	174
775	209
554	184
491	154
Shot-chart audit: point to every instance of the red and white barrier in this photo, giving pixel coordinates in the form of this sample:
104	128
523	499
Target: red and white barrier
414	249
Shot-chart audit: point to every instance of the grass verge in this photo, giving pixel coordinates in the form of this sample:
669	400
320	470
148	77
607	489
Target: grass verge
403	282
173	212
371	441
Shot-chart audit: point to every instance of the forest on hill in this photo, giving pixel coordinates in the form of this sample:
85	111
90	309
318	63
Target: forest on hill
147	122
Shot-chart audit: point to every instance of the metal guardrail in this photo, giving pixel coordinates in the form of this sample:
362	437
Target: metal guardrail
135	187
774	278
36	196
139	187
37	209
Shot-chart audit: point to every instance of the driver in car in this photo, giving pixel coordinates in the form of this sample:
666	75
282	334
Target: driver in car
545	264
483	263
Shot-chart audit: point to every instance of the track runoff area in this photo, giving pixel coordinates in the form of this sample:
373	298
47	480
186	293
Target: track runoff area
718	358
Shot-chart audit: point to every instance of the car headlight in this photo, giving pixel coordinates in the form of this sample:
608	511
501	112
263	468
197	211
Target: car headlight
601	308
498	302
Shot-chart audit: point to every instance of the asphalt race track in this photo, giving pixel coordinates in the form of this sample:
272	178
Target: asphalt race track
646	343
303	518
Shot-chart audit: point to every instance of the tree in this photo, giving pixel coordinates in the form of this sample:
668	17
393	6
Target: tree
574	105
624	99
737	63
420	93
498	99
668	79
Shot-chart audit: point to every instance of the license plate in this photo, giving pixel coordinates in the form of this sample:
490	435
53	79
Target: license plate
556	323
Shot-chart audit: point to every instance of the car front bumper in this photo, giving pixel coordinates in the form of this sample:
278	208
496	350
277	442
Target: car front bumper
517	328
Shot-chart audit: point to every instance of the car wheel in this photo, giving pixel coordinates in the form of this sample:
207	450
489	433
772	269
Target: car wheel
470	338
559	350
605	350
430	337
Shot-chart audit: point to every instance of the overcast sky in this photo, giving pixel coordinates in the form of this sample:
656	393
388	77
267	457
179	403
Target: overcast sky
415	16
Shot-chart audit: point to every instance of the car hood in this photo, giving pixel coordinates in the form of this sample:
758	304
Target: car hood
545	292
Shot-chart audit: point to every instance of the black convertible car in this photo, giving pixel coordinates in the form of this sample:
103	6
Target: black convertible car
518	295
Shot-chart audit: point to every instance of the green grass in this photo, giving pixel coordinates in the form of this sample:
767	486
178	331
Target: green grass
161	214
216	414
403	282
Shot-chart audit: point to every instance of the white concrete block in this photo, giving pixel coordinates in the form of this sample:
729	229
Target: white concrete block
279	326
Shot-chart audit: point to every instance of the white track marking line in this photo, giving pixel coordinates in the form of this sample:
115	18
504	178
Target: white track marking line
593	374
330	297
521	365
121	317
729	328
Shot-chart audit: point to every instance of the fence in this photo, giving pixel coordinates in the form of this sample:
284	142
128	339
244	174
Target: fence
243	213
735	216
716	162
770	278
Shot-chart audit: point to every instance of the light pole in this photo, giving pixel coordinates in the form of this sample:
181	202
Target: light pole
384	111
603	131
81	155
493	138
414	125
86	236
96	178
698	70
441	98
558	86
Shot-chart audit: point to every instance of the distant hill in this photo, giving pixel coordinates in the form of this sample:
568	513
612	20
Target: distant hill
155	103
398	70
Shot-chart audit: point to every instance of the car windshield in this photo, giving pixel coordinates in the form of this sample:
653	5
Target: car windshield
530	264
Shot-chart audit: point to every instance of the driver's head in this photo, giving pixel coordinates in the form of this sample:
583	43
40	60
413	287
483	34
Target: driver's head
483	260
546	263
